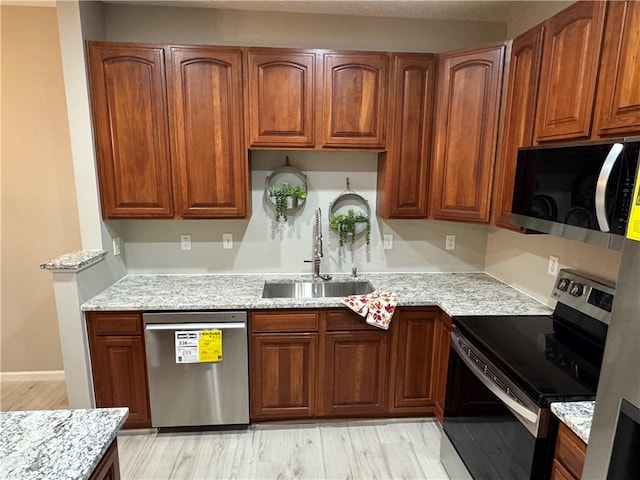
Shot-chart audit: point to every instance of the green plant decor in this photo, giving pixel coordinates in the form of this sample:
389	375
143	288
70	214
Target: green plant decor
345	225
281	195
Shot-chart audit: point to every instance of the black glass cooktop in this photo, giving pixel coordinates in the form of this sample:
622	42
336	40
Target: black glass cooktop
546	362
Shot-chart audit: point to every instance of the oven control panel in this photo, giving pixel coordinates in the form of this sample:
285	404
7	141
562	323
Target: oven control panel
589	295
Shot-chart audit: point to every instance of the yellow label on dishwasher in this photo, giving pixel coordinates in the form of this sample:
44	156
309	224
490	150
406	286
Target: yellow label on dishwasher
210	346
633	228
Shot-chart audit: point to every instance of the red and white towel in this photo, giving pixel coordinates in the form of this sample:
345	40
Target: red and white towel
377	306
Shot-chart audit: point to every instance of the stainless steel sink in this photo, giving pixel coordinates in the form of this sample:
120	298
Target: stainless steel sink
315	289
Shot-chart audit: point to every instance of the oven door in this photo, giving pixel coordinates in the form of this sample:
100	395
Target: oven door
496	430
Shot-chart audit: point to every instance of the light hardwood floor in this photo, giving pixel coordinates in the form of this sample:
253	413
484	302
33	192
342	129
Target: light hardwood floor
383	449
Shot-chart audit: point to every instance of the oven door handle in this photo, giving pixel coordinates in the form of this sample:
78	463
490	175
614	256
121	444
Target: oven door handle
601	186
521	410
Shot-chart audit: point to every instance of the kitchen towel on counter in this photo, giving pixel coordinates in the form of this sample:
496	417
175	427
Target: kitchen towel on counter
378	307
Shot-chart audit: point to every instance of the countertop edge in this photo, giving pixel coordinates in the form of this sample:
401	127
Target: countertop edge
577	416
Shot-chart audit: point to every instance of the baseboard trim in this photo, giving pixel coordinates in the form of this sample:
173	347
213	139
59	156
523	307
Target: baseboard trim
42	376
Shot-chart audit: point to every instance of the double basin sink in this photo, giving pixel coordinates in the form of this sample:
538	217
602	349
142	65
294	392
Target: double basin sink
318	289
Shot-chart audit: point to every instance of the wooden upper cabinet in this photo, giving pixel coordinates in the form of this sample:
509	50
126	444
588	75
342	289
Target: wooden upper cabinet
281	87
127	84
519	114
355	100
206	122
468	101
403	170
618	101
571	53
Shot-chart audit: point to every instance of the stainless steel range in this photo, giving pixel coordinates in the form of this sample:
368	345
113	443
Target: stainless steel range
505	371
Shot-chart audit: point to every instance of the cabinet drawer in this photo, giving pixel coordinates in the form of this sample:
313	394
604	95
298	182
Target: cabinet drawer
570	451
115	323
343	319
284	321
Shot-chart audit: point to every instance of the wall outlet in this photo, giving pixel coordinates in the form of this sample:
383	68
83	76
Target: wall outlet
387	241
185	242
554	262
116	246
227	241
450	242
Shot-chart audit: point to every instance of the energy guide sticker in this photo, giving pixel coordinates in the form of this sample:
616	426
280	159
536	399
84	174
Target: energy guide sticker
198	346
633	228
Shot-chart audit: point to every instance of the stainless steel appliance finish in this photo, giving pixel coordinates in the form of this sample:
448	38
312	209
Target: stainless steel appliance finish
197	394
315	289
528	413
504	371
619	376
580	191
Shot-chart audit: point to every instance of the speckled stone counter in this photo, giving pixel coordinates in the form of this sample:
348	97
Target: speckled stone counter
56	444
455	293
575	415
74	261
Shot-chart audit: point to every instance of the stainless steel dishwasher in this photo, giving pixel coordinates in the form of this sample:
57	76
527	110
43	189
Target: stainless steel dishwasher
186	391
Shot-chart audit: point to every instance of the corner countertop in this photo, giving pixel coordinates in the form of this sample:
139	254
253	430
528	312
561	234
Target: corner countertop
455	293
56	444
577	416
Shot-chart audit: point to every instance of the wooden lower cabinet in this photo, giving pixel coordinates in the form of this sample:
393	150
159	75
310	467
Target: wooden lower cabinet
283	348
443	336
412	389
109	466
283	375
331	363
118	364
569	455
356	373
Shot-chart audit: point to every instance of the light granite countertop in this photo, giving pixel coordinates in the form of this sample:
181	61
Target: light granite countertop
455	293
74	261
56	444
577	416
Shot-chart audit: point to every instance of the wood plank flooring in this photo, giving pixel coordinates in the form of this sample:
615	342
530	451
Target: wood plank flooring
43	395
372	449
383	449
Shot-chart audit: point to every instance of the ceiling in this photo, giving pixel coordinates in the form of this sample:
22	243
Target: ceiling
479	10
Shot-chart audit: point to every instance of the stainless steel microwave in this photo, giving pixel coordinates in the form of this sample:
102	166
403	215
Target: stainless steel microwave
580	191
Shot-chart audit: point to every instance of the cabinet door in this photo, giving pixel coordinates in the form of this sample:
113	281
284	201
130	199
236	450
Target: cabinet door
283	375
414	357
403	170
281	98
469	90
355	100
571	52
519	114
206	119
618	101
118	365
356	373
570	451
127	85
443	334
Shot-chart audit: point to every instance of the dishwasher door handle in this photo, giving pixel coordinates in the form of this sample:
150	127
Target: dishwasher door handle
196	326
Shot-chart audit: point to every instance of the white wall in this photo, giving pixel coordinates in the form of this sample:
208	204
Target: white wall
530	14
262	245
235	27
522	260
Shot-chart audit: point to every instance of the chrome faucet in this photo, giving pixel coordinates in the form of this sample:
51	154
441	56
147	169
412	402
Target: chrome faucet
317	247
